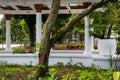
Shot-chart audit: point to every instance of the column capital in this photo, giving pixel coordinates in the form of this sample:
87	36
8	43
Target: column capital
38	7
8	16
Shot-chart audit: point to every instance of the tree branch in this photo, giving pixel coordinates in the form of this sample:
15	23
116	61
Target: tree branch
58	36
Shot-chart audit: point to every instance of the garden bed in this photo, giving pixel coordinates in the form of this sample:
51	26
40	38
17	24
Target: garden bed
57	72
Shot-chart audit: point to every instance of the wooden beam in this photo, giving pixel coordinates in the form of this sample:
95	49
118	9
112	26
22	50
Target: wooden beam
16	8
28	2
68	7
43	11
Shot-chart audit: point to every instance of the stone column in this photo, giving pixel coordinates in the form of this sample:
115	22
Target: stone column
38	8
87	37
91	38
8	36
92	42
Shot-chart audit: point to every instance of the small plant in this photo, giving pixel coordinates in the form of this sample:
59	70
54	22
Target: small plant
80	64
71	65
118	50
19	49
37	47
2	78
59	64
117	62
111	60
116	75
68	76
52	72
3	63
2	48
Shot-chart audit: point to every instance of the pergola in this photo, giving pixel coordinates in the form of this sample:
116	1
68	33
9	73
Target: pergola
39	7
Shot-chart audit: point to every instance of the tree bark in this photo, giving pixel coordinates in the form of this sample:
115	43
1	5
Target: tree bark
45	44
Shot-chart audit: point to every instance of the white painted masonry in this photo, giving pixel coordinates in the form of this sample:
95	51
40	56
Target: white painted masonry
58	56
38	27
8	36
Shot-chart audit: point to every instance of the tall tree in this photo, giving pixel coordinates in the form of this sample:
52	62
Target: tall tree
49	41
105	21
16	30
30	21
45	44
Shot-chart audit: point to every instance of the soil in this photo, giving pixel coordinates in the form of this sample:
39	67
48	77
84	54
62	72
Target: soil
23	74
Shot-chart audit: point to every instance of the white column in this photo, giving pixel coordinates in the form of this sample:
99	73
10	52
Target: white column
8	36
92	37
92	42
87	37
38	27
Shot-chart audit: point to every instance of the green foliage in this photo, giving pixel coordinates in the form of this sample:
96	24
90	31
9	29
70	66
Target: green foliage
28	73
114	61
52	72
116	75
19	49
102	20
100	24
24	27
37	47
68	76
118	47
16	30
2	48
111	60
59	64
2	78
2	29
39	66
2	63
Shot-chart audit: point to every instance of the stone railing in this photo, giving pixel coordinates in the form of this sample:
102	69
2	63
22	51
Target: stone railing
58	56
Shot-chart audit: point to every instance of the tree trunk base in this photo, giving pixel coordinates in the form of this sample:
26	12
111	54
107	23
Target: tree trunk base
41	72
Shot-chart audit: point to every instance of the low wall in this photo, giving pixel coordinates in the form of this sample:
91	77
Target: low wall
58	56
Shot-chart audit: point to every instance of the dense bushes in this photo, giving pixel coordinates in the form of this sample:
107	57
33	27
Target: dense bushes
23	49
19	49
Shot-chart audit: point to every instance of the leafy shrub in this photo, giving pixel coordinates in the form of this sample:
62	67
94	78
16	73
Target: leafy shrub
3	63
64	46
118	48
2	48
59	64
19	49
29	49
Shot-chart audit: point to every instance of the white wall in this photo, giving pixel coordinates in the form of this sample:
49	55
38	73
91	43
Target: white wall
58	56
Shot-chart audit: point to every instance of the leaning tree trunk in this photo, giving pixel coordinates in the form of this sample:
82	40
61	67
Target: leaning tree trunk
45	44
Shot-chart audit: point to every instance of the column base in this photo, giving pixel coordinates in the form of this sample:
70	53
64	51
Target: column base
6	51
88	59
92	50
89	54
9	50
